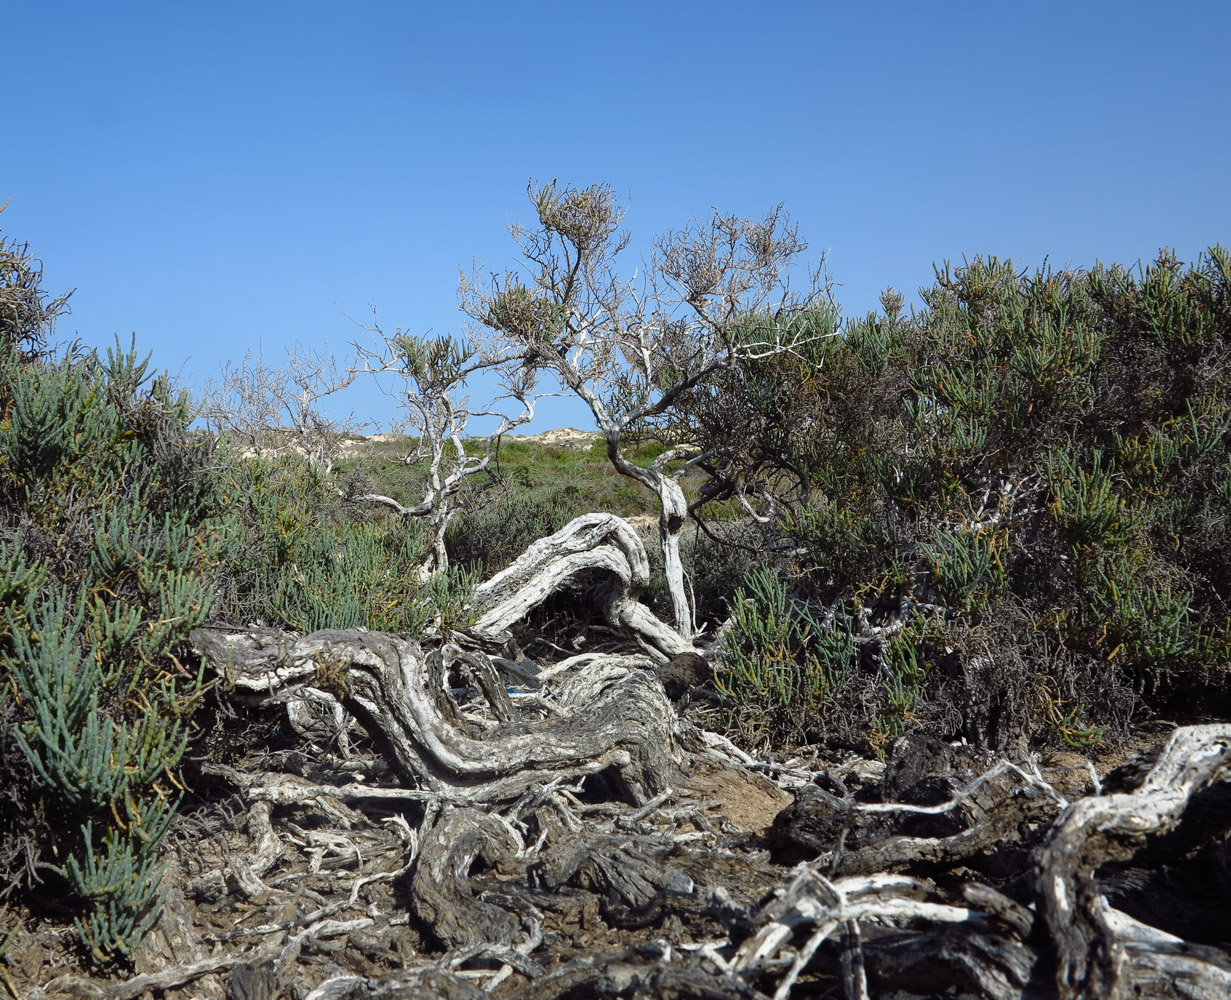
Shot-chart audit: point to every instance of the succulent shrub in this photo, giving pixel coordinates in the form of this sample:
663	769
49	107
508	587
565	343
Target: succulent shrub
112	533
1032	473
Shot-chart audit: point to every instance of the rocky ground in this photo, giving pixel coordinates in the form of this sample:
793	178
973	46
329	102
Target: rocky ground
304	866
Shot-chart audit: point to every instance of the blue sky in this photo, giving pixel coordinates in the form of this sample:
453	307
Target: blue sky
223	176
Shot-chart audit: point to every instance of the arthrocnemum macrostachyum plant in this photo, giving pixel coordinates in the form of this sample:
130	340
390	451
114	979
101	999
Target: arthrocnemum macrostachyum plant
1049	449
780	663
110	535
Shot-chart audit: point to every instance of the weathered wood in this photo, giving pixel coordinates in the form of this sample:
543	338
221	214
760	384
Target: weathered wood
591	542
499	883
130	989
962	959
612	718
510	851
917	943
420	984
442	892
1101	952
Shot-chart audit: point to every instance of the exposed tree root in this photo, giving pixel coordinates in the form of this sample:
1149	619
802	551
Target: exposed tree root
1101	951
541	896
562	833
592	542
608	718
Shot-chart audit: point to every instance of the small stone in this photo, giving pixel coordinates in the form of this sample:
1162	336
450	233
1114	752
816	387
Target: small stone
683	672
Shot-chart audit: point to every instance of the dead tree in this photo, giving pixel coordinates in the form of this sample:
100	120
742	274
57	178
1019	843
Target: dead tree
434	373
872	887
932	874
892	899
266	410
613	717
632	353
612	714
1103	951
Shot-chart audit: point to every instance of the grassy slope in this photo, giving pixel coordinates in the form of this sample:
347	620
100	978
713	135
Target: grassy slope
535	487
528	464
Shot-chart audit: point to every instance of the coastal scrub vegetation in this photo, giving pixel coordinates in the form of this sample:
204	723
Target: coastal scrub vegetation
1002	518
1018	496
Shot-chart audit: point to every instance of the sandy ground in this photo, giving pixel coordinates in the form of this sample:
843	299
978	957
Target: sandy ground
568	436
565	435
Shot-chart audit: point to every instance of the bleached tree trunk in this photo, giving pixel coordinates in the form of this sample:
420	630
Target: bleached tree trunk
438	556
590	542
1100	950
673	509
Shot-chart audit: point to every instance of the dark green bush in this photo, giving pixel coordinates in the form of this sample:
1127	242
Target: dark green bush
1032	472
494	528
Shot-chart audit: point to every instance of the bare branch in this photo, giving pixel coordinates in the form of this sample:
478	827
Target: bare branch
267	410
433	372
715	297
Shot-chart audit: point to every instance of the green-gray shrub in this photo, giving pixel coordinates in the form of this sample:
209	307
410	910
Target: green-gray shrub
113	535
780	664
1048	450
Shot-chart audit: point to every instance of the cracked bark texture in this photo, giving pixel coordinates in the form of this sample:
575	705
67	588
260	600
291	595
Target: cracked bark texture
576	837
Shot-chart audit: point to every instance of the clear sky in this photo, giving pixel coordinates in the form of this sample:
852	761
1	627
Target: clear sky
224	176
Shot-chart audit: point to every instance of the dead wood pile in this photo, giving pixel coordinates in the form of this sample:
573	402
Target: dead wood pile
501	829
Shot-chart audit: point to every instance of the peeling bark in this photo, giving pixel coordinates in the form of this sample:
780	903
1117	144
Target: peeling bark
444	897
1100	951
